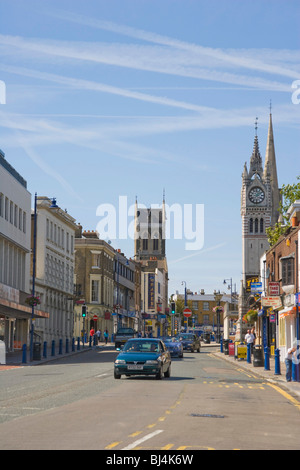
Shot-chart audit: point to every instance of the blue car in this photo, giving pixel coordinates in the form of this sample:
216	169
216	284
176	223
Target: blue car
173	345
143	356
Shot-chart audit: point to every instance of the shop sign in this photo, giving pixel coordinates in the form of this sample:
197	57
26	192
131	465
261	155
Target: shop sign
250	280
274	288
274	302
256	287
151	291
272	318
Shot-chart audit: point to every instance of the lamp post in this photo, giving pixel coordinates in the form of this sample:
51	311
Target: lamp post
218	298
185	303
229	287
53	206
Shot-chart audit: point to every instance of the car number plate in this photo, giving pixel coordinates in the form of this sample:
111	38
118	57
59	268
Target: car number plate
135	367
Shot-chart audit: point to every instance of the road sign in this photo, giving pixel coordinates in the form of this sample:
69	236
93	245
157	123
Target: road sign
95	317
187	312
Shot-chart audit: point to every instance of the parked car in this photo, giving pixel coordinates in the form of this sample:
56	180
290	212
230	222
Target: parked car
190	341
143	356
173	345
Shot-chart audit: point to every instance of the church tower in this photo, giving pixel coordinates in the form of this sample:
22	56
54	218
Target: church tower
260	197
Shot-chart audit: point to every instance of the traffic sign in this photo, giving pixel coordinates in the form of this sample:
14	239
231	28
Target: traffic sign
187	312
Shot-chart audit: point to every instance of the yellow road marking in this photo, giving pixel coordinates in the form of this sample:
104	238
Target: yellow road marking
286	395
167	447
112	445
135	434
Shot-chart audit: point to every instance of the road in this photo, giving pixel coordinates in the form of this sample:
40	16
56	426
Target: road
208	403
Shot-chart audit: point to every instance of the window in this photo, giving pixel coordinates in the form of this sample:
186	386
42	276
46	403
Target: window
205	306
155	244
95	291
195	305
251	225
287	266
256	225
261	225
145	244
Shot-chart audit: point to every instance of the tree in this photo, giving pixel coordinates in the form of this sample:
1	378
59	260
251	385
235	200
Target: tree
290	193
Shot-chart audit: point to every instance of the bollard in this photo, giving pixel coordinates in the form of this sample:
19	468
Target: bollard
24	354
90	341
78	344
73	344
45	349
60	347
249	353
221	344
267	358
53	348
277	362
95	340
67	345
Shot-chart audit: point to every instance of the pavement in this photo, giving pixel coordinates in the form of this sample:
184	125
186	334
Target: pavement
15	358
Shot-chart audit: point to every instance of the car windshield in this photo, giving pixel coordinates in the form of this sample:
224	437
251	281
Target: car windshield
170	339
186	336
141	346
126	331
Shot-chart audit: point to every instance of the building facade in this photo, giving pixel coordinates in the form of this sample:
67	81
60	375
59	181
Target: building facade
280	314
94	283
150	251
54	275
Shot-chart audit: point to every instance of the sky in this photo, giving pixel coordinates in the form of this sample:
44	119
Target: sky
103	102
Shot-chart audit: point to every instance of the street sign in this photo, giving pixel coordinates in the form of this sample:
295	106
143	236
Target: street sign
187	312
95	317
256	287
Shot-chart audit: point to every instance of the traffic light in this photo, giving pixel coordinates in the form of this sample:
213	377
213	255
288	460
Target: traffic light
83	311
173	308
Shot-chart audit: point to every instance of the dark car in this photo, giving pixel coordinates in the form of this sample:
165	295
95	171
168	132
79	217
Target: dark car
190	341
143	356
173	345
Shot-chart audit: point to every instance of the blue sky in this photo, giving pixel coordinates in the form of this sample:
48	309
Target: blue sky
110	98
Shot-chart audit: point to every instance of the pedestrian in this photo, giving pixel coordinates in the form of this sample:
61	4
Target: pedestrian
249	338
92	331
98	333
288	363
254	335
106	336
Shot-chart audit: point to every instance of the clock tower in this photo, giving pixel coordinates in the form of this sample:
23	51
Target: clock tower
260	197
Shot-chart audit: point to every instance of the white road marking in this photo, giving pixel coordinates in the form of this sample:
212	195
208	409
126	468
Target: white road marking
143	439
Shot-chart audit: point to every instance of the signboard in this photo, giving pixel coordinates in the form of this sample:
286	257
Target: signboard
249	281
274	288
274	302
95	317
241	351
297	298
151	291
256	287
187	312
272	318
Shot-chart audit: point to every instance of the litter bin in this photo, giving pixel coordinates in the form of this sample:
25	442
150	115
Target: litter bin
206	338
226	346
258	360
36	355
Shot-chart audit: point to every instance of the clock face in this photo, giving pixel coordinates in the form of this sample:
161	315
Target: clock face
256	195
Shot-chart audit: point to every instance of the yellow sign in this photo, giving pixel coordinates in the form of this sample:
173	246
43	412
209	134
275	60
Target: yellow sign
241	351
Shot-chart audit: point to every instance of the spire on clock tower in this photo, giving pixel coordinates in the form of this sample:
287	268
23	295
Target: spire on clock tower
270	171
255	161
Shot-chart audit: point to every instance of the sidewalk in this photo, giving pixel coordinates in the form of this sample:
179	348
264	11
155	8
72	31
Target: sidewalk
269	375
15	359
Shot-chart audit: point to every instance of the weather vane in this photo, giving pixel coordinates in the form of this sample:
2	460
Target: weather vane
256	119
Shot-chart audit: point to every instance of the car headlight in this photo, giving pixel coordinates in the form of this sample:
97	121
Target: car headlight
153	362
119	361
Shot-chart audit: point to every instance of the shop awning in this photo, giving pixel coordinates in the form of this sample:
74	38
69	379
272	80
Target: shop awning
15	310
287	311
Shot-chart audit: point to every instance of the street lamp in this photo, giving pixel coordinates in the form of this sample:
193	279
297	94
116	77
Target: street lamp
218	298
53	206
229	287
